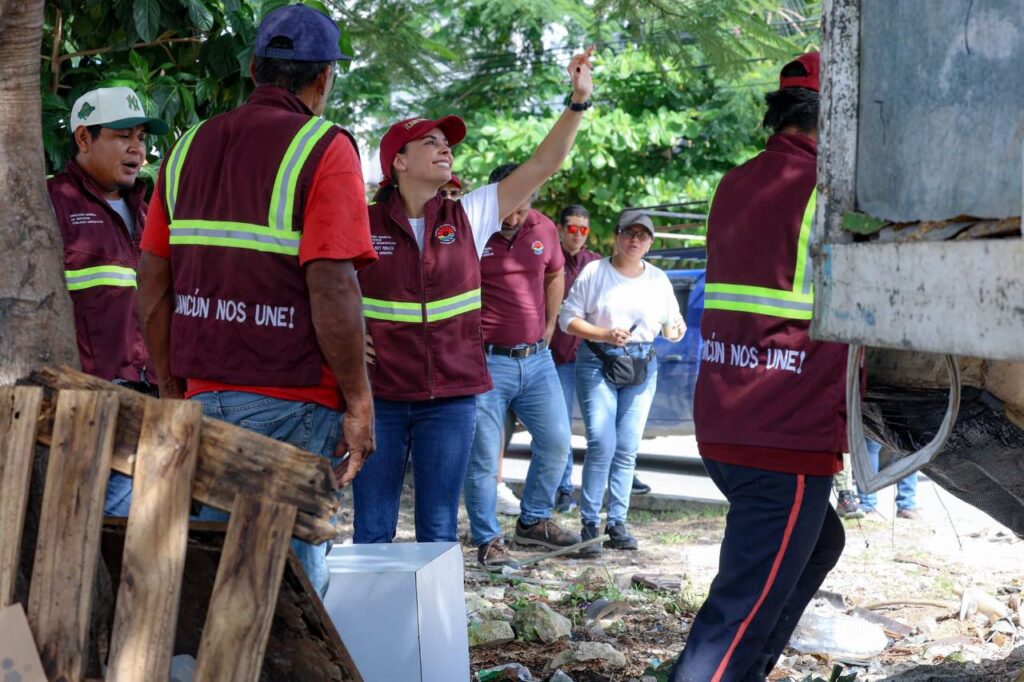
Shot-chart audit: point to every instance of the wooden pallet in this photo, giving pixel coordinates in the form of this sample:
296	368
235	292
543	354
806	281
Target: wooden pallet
175	455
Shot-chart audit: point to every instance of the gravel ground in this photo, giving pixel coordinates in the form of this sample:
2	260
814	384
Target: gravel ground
952	548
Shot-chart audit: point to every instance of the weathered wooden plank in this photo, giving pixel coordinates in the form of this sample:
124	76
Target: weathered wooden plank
19	415
71	516
232	461
155	542
245	591
838	119
319	614
917	297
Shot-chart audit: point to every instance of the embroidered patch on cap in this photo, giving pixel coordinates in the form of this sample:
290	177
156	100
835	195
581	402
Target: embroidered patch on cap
445	233
538	247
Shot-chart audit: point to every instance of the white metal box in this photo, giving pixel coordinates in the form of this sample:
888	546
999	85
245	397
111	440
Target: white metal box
401	610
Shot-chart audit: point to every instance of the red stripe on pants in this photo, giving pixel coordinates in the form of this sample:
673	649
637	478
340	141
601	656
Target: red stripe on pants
794	513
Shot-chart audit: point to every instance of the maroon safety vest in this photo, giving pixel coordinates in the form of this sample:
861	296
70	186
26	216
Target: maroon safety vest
423	308
100	259
763	381
235	189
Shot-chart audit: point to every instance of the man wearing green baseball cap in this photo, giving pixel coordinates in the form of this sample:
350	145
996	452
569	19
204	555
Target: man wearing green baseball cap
100	207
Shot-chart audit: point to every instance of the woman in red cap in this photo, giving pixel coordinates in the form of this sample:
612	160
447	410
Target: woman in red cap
422	306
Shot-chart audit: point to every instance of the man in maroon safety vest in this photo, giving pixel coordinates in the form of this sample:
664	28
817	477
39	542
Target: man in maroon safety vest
769	407
262	215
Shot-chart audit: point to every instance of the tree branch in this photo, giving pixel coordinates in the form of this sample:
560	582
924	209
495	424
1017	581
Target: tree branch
154	43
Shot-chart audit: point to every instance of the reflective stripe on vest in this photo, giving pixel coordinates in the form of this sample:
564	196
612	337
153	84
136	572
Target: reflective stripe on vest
277	236
99	276
435	311
795	304
173	174
235	235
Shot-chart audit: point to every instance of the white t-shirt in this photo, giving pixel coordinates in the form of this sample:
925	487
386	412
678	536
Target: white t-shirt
481	207
120	207
606	298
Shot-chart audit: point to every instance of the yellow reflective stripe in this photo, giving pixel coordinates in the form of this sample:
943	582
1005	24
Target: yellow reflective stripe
446	308
761	292
282	198
234	235
758	308
393	311
800	280
174	165
796	303
99	276
407	311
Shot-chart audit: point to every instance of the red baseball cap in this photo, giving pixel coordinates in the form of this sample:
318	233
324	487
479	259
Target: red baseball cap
455	181
811	63
453	127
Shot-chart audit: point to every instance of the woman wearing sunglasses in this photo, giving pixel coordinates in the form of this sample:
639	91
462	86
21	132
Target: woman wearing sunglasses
573	229
618	305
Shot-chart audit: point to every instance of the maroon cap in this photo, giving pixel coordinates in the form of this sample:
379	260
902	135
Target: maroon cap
455	181
411	129
812	65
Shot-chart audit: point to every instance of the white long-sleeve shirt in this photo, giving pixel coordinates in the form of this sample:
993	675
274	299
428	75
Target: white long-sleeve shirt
604	297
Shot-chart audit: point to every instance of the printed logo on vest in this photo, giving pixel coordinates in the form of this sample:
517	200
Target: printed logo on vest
383	244
488	251
538	247
445	233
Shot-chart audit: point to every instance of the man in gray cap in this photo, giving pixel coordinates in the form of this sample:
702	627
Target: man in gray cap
100	206
262	213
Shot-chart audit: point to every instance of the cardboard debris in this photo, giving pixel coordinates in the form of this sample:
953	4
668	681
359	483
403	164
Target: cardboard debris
18	656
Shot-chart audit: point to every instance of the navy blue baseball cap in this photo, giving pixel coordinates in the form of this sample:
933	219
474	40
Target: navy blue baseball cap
301	34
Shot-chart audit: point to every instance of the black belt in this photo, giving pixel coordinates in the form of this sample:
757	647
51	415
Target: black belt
523	350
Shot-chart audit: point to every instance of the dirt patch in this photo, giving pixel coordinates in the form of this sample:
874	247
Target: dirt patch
921	566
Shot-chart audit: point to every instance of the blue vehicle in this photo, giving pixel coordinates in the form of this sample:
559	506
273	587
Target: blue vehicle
672	409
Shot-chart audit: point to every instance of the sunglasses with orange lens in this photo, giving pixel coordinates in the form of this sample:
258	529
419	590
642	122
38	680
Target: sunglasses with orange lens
573	229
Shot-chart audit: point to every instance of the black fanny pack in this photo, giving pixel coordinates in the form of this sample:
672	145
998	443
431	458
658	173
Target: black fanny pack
622	370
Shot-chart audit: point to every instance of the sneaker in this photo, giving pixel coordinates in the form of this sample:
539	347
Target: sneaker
619	536
639	487
494	554
508	503
589	533
848	507
545	533
564	502
909	514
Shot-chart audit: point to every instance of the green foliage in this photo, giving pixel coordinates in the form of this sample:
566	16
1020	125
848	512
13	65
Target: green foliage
678	82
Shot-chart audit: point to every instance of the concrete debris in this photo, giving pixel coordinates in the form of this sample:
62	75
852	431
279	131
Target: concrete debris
475	603
499	612
586	652
536	620
493	593
490	633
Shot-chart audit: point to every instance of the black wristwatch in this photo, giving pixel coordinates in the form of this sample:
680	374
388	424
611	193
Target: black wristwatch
576	106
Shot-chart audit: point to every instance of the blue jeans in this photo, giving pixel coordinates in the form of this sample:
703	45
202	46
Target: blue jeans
437	435
906	487
309	426
530	387
615	417
119	495
567	377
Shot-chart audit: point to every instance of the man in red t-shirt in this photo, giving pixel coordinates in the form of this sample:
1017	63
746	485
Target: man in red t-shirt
266	293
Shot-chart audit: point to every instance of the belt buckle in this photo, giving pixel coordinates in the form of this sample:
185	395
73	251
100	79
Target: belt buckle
522	350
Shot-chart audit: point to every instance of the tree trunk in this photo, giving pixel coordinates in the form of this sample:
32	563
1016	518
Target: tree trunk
36	319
